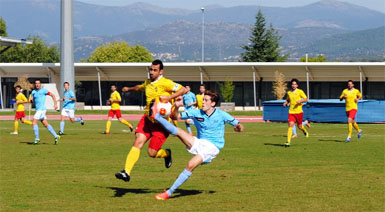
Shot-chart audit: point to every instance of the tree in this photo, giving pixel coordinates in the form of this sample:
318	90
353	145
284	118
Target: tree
264	43
116	52
320	58
3	28
227	89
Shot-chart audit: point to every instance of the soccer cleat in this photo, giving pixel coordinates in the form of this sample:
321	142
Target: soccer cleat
359	134
168	160
57	139
81	121
131	127
162	196
36	142
347	139
14	133
60	133
123	176
287	144
106	133
306	134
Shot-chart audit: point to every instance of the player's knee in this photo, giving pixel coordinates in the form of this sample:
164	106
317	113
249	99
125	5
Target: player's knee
152	153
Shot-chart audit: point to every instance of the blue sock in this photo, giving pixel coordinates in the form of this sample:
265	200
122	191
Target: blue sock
304	123
188	128
167	125
36	131
51	130
294	130
62	123
179	181
78	119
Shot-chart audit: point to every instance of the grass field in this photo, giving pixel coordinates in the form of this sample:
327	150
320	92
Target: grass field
252	173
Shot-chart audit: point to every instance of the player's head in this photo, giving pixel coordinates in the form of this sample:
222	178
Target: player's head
210	100
350	84
18	89
37	84
66	86
188	88
156	69
202	88
113	87
294	83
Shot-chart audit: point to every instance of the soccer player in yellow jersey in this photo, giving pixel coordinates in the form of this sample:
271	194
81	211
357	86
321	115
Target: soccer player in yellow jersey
295	98
155	87
351	96
200	96
20	100
114	101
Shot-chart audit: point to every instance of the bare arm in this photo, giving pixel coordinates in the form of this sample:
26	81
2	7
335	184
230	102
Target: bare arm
127	89
54	100
180	92
178	103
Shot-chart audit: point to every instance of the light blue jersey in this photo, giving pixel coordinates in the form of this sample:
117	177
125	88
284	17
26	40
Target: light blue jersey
38	97
211	128
69	104
189	98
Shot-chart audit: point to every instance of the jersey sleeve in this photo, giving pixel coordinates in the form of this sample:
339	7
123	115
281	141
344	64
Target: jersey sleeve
45	92
142	86
303	95
172	86
23	98
359	95
117	96
72	95
194	98
229	119
187	115
342	95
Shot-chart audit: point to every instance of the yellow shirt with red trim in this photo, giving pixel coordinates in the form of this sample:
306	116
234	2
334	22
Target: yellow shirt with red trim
349	100
160	87
115	96
293	97
20	97
199	98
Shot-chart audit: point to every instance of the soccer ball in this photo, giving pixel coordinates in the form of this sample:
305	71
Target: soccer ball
163	108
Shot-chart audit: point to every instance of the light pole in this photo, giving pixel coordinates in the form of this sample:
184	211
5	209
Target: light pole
203	34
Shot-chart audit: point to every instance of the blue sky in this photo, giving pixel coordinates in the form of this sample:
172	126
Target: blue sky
378	5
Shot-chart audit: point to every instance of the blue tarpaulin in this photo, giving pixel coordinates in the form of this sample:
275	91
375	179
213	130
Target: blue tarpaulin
327	110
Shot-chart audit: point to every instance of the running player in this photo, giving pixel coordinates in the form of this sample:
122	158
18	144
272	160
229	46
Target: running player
351	96
210	123
68	110
114	101
20	101
189	101
295	98
199	97
38	97
155	87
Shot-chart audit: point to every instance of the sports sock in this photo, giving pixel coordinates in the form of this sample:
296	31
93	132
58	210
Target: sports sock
162	153
62	123
126	123
188	128
167	125
289	134
16	126
108	126
350	129
304	123
303	129
78	119
179	181
355	125
28	122
131	159
36	131
294	130
52	131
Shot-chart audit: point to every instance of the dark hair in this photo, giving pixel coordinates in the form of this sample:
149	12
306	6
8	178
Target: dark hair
203	85
37	80
158	62
18	86
113	85
214	96
294	80
350	81
66	83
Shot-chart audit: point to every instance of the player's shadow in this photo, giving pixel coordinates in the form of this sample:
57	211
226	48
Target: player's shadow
31	143
271	144
335	140
119	192
183	192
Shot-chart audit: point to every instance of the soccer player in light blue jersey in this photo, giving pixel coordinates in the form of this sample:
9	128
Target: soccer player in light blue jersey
38	97
210	123
68	110
189	102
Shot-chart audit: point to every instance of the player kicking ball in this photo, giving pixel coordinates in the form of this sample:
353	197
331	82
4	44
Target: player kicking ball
68	110
38	97
210	124
20	115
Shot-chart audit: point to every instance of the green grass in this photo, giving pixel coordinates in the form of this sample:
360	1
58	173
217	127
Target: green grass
252	173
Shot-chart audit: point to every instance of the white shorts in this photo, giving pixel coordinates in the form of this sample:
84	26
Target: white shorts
207	150
68	112
40	115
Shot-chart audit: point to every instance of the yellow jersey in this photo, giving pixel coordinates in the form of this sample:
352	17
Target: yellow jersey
293	97
115	96
160	87
199	98
349	100
22	98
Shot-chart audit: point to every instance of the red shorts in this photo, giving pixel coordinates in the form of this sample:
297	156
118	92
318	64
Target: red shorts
296	118
152	130
112	113
19	114
351	113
